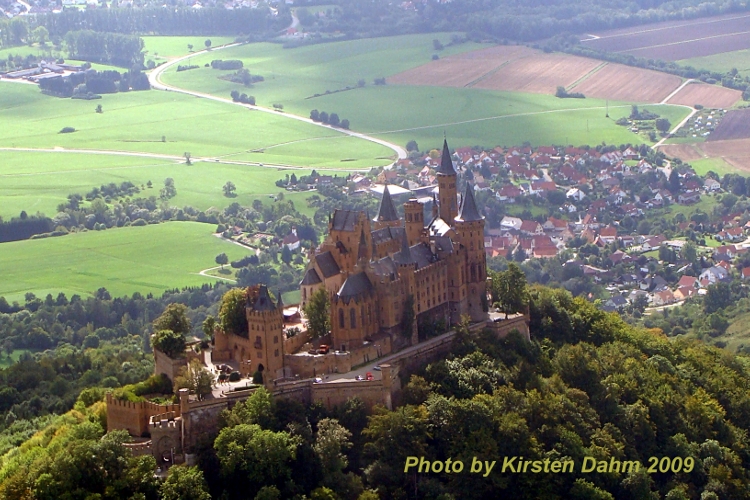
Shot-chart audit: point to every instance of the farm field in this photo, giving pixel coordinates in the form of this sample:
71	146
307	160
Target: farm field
735	125
39	182
148	259
625	83
717	165
677	40
173	46
709	96
735	153
722	62
399	113
171	124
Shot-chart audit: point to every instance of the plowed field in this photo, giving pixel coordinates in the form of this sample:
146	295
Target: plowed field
735	125
675	40
625	83
710	96
736	152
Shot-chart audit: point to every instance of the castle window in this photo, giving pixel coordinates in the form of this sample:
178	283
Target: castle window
341	318
304	294
275	339
260	355
473	272
276	353
352	318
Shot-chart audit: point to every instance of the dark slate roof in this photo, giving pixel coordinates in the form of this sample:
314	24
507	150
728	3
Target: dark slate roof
468	211
264	301
355	285
386	234
387	211
327	264
311	277
344	220
404	255
443	244
280	303
384	267
422	255
446	163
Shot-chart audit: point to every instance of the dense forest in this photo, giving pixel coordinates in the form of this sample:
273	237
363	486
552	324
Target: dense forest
586	385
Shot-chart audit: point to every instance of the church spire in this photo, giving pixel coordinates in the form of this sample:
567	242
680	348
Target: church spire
387	211
468	211
446	162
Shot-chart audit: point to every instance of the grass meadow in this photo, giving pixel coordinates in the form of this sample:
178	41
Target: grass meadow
401	113
138	121
161	47
146	259
39	182
722	62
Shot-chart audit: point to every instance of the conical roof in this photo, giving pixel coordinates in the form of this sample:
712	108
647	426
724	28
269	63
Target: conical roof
468	211
387	210
446	162
404	256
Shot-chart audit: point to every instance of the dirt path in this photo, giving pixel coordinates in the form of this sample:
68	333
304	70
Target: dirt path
205	273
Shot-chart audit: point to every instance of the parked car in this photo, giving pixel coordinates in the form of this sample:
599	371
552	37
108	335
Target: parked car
369	376
376	368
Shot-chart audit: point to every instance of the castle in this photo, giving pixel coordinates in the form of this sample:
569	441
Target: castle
383	276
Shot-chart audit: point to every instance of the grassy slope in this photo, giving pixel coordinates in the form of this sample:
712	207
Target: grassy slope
173	46
137	121
145	259
38	182
292	76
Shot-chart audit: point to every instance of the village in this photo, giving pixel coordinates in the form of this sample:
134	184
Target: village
598	211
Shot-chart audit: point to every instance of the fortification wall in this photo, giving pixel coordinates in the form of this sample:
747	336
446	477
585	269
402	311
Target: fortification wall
337	393
168	366
294	344
308	365
134	417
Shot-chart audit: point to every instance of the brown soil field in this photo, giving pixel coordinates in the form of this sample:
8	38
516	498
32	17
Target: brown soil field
735	152
625	83
676	40
462	69
539	73
710	96
735	125
685	152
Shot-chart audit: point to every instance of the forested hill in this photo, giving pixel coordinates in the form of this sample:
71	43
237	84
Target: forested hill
588	385
508	19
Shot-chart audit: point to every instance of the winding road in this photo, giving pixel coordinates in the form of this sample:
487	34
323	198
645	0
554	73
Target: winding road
156	83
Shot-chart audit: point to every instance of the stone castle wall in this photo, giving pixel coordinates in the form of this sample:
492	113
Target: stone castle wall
134	417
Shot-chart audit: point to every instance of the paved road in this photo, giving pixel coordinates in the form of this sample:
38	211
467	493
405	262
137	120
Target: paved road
156	83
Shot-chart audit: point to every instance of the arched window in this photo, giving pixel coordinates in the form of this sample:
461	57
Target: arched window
304	294
473	272
352	318
362	315
341	318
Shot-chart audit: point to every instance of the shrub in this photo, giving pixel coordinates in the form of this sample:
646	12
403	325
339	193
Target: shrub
138	222
67	130
234	377
229	64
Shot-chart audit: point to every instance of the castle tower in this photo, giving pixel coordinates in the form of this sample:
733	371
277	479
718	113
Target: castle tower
265	331
406	268
447	196
414	221
470	230
387	215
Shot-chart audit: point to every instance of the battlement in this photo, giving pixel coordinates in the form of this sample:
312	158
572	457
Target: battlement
135	416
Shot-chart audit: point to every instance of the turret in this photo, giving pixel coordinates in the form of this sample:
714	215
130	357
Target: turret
414	221
387	215
469	225
447	196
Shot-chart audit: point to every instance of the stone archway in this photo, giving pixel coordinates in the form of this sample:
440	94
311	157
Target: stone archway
164	450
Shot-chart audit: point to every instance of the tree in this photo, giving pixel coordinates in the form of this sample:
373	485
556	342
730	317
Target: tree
207	43
324	117
186	154
318	313
717	297
232	312
333	120
690	252
412	146
99	108
286	255
170	343
330	445
190	47
184	483
251	457
437	44
222	260
663	125
169	190
174	318
258	409
345	124
195	378
315	115
509	292
235	95
229	189
208	326
40	35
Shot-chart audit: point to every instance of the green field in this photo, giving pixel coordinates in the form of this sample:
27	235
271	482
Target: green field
7	360
144	259
401	113
718	165
137	121
722	62
173	46
39	182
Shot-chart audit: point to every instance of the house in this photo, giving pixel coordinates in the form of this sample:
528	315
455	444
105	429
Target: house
620	257
291	240
732	234
616	302
509	193
608	234
511	223
575	194
745	273
663	298
684	292
688	281
688	198
542	187
531	227
714	274
553	224
711	185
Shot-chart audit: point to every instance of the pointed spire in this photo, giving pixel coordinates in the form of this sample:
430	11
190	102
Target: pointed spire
404	256
446	162
280	302
362	250
387	210
468	211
